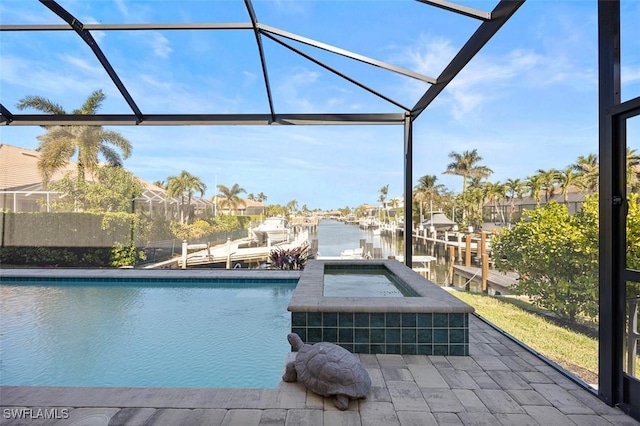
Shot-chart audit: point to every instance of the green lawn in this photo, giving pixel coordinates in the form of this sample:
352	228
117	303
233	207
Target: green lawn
576	352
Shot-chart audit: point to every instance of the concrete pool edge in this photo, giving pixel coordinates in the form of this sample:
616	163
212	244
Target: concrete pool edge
308	295
432	323
135	273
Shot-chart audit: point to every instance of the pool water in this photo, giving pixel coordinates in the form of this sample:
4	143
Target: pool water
228	335
364	282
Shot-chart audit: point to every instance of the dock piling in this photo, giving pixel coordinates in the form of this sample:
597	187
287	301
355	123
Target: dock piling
452	259
485	271
467	251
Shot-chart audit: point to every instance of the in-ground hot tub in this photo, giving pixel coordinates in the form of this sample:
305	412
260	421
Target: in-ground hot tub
421	319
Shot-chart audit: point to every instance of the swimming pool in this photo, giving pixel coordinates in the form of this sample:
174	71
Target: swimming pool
143	333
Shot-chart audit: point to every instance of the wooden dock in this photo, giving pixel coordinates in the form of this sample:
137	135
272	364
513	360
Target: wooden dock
467	247
496	282
230	254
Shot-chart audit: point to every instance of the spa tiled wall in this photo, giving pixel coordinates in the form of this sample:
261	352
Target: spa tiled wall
386	333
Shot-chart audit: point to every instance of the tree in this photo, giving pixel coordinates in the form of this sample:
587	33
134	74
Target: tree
466	165
548	180
161	184
292	206
251	197
556	261
384	191
261	197
494	193
534	184
112	189
556	255
515	189
184	185
427	190
61	143
587	169
473	201
566	179
230	196
276	210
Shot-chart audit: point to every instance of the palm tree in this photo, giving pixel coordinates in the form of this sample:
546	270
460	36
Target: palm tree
587	169
466	165
548	180
384	191
251	197
61	143
515	188
427	190
230	196
566	179
160	183
473	199
292	206
183	186
534	184
494	192
261	197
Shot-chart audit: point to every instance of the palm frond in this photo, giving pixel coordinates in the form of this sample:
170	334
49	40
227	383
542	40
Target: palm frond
41	104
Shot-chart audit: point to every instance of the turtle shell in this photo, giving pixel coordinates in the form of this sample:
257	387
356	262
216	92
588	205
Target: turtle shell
329	369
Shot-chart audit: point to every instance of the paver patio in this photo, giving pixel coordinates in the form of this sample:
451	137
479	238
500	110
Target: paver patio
500	383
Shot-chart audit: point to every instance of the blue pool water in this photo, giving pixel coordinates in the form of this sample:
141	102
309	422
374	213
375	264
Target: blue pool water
150	335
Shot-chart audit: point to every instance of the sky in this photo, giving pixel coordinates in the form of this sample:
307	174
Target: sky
527	101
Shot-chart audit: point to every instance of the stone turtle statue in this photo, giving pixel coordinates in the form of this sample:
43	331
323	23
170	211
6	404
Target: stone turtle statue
328	370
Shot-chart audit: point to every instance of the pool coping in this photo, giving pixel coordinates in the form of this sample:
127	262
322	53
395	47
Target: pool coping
308	295
48	274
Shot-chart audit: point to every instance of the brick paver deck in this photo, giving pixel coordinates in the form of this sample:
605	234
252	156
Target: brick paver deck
500	383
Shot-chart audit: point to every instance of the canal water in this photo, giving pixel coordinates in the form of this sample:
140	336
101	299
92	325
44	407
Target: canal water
334	237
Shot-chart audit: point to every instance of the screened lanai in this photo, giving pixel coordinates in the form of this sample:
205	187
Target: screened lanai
266	40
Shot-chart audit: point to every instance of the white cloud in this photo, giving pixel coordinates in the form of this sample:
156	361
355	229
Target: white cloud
160	44
250	78
429	56
122	7
37	78
83	65
290	90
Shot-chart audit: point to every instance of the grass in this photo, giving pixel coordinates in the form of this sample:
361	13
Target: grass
574	351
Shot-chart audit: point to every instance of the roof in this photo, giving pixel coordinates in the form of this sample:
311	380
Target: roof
19	169
438	219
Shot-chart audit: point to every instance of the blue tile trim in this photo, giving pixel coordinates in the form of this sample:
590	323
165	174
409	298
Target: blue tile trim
407	333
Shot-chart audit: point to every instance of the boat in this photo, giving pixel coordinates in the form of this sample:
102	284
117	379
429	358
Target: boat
352	253
273	230
369	222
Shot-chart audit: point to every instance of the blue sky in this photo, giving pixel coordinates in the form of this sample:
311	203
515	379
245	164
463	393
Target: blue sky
527	101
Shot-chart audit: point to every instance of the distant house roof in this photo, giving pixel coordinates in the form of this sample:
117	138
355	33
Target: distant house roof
574	195
19	172
252	203
19	169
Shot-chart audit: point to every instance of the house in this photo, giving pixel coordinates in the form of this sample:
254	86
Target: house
21	188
